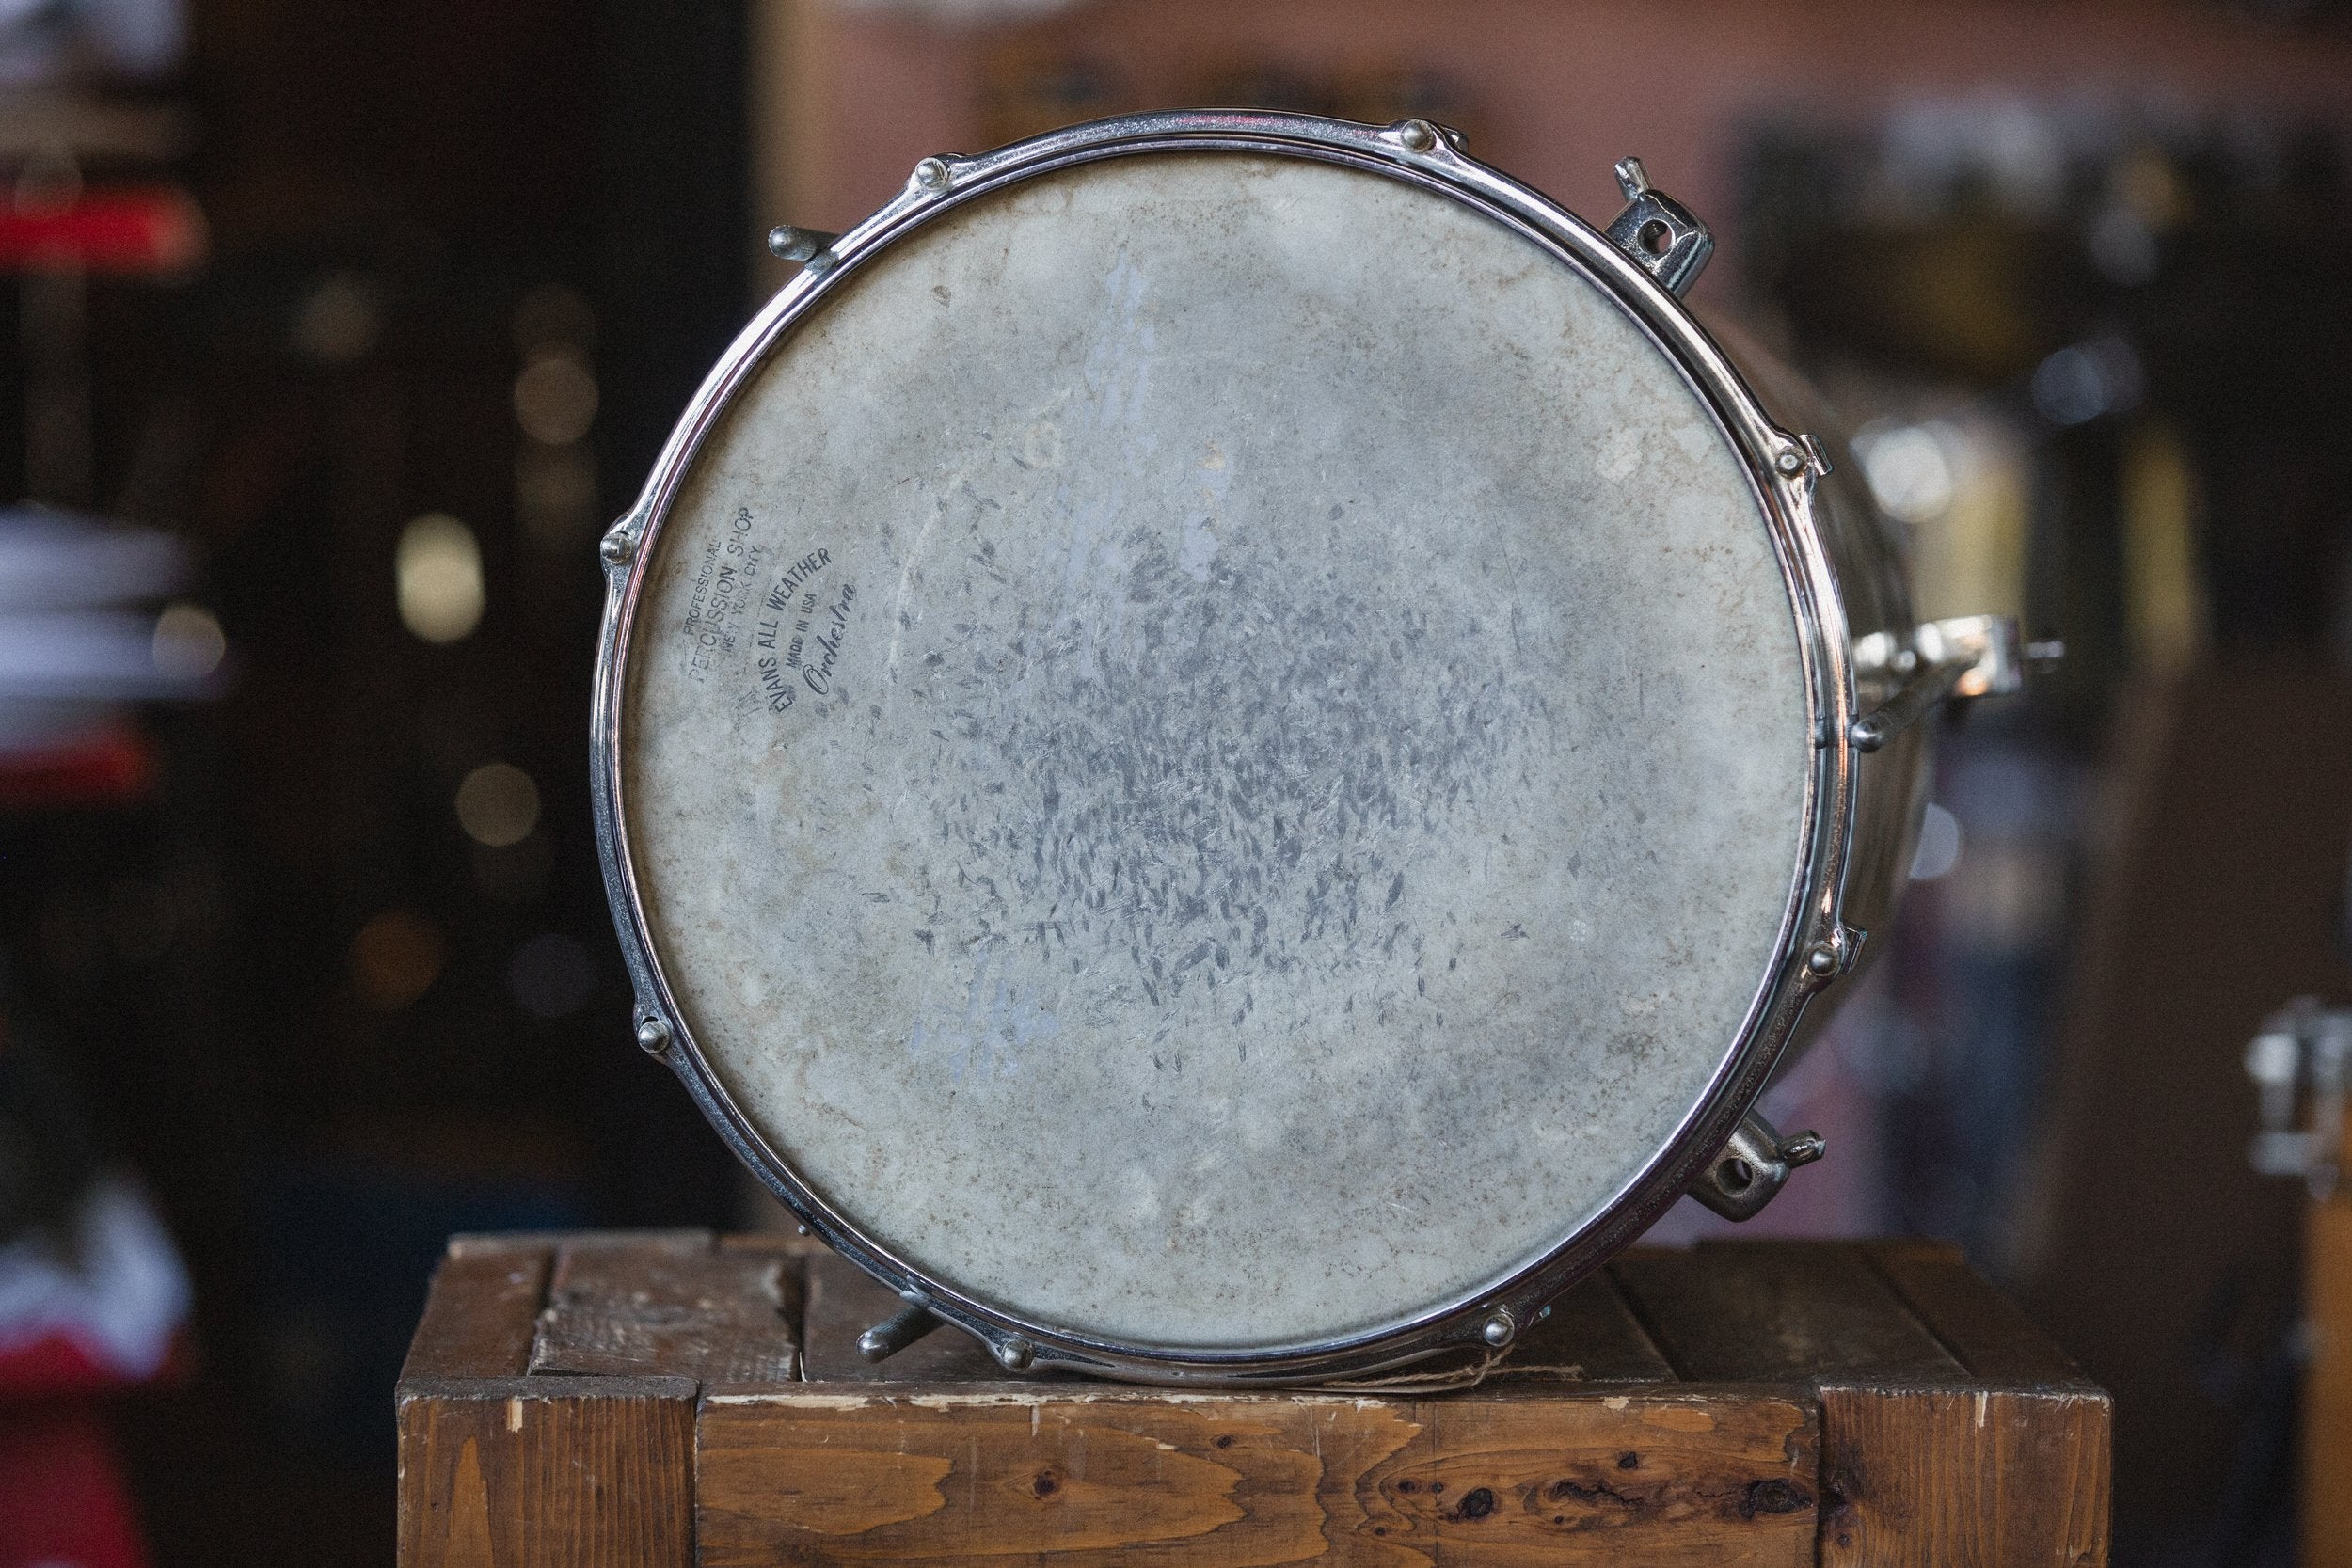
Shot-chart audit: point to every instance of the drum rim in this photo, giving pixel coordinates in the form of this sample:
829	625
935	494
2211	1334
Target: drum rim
1782	469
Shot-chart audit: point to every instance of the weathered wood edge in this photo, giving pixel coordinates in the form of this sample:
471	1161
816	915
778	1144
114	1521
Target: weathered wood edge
520	1472
558	1386
481	1313
1772	1310
705	1312
1984	1331
467	1244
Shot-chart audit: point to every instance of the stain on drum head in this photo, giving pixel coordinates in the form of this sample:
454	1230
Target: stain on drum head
1213	751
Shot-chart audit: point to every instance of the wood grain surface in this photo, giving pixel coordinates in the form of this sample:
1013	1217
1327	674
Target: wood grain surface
1938	1478
481	1312
1993	1341
1767	1402
688	1312
501	1469
547	1472
1789	1310
963	1473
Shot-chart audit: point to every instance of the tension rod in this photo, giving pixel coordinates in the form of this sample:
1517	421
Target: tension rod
1897	714
895	1333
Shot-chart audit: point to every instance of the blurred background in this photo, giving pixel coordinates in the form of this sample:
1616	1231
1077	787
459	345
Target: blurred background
330	337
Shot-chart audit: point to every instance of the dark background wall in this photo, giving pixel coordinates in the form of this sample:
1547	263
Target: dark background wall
404	199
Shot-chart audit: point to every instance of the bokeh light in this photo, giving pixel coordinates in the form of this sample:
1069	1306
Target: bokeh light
395	959
438	569
188	644
555	397
497	804
1908	472
340	320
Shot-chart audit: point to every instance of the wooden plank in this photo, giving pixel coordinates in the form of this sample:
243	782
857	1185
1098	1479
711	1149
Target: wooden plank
480	1313
1591	1336
545	1472
1085	1475
2327	1382
1985	1333
2012	1464
1779	1311
1928	1478
632	1309
1952	1431
467	1244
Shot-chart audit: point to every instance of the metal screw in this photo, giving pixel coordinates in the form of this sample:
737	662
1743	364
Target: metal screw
1418	135
932	174
1823	959
653	1034
1790	463
1014	1355
618	545
1499	1330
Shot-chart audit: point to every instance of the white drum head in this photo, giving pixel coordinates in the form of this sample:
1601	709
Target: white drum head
1213	751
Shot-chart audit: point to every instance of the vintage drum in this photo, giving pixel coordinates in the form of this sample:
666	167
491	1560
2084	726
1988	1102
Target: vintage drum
1228	746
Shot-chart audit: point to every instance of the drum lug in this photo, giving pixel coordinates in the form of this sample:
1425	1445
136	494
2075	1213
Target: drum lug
895	1333
1664	238
1753	1167
1968	655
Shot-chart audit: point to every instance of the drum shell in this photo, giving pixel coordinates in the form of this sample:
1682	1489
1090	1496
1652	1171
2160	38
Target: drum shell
1870	560
1890	784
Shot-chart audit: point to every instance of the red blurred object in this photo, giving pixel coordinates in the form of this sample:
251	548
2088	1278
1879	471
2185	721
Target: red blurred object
109	767
61	1495
101	1307
138	229
56	1364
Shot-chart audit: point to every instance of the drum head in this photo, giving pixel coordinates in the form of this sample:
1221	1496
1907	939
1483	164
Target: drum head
1213	750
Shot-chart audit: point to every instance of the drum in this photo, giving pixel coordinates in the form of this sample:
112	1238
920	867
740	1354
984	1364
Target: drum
1227	747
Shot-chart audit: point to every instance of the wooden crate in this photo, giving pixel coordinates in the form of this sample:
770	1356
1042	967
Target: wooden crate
672	1397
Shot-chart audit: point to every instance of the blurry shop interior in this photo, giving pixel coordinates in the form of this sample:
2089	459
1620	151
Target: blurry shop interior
332	335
